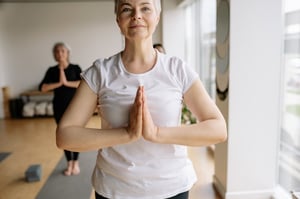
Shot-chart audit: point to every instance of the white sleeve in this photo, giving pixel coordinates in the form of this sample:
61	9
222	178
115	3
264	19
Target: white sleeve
92	76
185	75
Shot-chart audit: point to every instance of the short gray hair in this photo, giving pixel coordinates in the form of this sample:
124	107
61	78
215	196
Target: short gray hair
58	44
157	5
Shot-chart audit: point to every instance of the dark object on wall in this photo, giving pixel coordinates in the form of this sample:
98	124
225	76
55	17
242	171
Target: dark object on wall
6	97
33	173
16	107
222	94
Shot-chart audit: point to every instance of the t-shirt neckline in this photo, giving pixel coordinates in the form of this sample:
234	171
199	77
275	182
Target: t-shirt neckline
139	74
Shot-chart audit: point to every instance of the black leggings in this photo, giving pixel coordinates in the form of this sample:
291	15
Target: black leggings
184	195
70	155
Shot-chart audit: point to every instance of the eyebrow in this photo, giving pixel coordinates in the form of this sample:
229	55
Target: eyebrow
125	4
128	4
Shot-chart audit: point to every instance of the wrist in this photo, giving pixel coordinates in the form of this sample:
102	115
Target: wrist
130	136
157	135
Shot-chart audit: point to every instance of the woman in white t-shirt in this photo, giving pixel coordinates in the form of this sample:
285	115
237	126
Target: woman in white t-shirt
140	91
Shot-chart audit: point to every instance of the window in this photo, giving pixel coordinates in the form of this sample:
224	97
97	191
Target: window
201	40
289	155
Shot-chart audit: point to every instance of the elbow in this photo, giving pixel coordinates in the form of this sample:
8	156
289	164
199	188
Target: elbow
59	144
59	139
223	136
43	88
222	132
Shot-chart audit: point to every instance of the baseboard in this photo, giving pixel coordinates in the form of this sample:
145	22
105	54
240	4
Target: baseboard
280	193
257	194
260	194
219	187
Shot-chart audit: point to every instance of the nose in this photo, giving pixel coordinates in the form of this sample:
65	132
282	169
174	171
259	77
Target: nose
136	14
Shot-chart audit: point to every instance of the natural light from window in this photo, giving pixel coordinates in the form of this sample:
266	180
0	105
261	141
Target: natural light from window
289	155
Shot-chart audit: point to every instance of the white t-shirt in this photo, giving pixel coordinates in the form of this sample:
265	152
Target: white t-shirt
142	169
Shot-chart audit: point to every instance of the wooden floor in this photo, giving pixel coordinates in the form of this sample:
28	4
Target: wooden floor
32	141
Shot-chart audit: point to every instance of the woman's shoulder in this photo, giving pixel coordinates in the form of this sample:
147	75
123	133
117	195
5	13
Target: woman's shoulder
107	61
103	65
72	65
52	68
171	61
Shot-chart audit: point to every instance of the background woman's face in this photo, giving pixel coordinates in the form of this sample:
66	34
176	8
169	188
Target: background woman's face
61	54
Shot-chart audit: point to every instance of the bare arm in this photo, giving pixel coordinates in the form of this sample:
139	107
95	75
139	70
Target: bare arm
72	134
51	86
210	129
72	84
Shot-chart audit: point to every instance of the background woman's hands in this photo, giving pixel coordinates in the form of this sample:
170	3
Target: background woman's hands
62	76
140	120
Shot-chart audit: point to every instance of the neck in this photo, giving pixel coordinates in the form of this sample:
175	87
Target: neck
63	64
139	57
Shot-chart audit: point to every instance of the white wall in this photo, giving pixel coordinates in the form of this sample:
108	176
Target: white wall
29	30
2	64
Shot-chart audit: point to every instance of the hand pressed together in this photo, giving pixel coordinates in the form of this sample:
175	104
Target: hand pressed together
140	120
62	76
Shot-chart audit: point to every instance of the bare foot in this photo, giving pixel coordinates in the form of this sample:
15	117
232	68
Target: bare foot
76	169
68	170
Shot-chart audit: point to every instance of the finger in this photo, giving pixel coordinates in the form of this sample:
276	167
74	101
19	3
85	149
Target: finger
149	128
146	113
136	115
138	96
140	111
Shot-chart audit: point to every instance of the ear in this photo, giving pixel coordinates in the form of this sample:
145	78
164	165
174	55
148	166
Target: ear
157	19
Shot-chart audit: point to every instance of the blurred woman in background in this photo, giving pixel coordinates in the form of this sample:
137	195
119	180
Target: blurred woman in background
63	79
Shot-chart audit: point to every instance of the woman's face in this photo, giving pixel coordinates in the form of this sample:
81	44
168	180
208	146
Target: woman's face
61	54
137	19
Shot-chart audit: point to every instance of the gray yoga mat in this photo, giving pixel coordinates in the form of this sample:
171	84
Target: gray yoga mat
59	186
3	155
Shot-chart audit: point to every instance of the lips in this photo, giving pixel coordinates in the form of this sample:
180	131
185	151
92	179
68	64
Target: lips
136	26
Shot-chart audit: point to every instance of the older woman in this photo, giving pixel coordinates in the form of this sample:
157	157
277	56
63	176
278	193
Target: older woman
140	91
63	79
